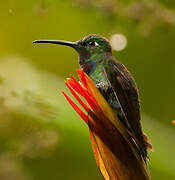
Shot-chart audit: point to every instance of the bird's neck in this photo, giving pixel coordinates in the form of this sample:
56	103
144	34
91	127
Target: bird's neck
94	66
90	63
97	73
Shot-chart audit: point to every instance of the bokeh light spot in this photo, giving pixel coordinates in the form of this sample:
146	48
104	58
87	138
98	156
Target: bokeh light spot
118	42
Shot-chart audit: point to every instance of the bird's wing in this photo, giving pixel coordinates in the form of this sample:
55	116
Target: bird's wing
126	93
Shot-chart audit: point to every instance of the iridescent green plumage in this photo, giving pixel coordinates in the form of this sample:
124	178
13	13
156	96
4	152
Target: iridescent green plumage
114	81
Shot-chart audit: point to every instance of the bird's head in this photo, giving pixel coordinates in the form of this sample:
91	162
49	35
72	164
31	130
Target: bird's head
91	49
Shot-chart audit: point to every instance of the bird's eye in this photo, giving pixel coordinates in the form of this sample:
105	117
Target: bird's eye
96	44
93	43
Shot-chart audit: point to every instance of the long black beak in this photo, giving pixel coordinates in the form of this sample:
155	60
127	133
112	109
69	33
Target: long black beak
66	43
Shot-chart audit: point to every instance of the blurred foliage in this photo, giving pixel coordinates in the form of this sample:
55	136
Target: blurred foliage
40	135
148	15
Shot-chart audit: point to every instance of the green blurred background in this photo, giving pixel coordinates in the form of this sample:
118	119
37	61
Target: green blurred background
41	137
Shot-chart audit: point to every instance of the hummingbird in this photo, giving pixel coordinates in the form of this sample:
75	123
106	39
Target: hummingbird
115	83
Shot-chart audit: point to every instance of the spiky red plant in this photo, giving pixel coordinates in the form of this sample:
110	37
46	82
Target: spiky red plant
113	147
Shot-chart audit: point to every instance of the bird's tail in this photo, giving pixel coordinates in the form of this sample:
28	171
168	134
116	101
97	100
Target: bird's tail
148	143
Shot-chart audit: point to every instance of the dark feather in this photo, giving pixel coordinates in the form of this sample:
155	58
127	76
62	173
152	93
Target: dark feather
125	91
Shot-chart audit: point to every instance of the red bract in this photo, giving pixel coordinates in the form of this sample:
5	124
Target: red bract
113	147
83	90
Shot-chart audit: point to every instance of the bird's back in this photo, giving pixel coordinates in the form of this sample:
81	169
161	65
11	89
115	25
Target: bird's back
126	104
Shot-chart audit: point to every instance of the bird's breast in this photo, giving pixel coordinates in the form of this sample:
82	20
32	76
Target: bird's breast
99	78
88	67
